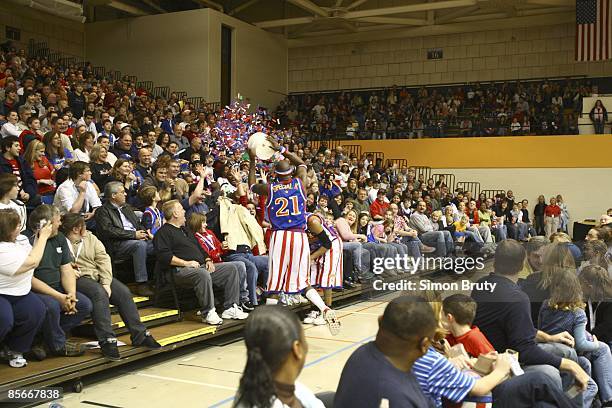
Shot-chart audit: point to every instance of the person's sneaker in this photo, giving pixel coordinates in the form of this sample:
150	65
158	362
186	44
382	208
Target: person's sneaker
299	299
70	349
427	249
247	306
310	317
319	320
149	342
144	289
234	313
16	360
212	318
332	321
110	350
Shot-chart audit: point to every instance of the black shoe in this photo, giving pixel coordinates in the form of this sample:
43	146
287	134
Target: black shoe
70	349
247	306
109	350
37	352
348	285
150	343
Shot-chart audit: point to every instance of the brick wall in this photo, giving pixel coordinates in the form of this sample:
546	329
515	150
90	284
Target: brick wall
479	56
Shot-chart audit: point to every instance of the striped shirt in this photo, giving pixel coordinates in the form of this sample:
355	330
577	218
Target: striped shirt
439	379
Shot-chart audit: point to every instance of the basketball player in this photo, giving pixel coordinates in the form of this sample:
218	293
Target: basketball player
326	261
289	259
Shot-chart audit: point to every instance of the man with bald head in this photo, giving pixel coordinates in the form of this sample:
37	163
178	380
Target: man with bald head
289	259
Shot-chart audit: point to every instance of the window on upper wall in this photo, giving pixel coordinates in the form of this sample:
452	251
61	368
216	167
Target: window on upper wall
13	33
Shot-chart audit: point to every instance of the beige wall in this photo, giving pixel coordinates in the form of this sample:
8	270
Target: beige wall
578	186
60	34
520	53
182	51
168	49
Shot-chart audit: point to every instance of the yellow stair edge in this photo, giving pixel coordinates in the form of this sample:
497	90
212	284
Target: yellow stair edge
188	335
147	318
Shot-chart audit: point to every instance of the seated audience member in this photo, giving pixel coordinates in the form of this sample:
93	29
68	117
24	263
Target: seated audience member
78	194
143	168
441	240
276	352
9	190
21	311
99	165
563	238
122	173
354	243
152	218
55	284
405	333
12	163
43	171
458	315
535	249
209	242
177	247
597	289
503	316
104	141
58	155
95	279
86	143
159	179
123	235
564	311
596	253
179	187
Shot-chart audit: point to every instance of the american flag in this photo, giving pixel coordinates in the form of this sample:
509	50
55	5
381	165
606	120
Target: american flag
593	30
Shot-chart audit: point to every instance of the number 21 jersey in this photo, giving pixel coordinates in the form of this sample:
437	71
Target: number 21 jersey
286	206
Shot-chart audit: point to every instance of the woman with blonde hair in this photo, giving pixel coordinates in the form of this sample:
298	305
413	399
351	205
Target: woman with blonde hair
99	165
564	219
43	170
557	257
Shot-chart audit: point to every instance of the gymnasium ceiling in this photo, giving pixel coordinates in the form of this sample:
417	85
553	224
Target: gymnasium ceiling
308	21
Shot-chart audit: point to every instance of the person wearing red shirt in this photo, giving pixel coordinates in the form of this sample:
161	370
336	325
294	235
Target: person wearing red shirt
209	242
458	312
43	170
379	206
552	214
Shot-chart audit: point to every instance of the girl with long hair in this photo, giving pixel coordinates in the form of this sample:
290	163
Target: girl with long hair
43	170
276	352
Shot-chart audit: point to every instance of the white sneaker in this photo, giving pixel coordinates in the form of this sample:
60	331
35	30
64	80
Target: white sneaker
16	360
332	321
235	313
310	317
319	320
301	299
212	318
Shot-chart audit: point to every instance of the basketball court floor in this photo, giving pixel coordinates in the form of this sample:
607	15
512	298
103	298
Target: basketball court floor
209	377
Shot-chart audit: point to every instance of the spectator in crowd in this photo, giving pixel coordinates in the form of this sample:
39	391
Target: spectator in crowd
42	169
503	316
122	173
10	128
599	116
563	311
54	282
406	331
596	286
21	311
123	235
57	155
78	194
12	162
458	315
535	249
9	189
104	141
99	165
276	352
564	217
538	213
176	247
86	143
552	214
441	240
95	279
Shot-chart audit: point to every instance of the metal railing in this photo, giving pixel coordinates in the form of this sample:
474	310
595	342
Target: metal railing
469	186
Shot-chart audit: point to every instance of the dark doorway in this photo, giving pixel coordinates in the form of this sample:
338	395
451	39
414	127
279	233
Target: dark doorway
226	65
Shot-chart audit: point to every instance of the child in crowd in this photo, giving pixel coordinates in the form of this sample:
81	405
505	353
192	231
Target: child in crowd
152	218
458	313
564	311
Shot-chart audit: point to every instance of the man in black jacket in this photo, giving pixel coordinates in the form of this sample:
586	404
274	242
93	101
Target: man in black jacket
123	235
12	162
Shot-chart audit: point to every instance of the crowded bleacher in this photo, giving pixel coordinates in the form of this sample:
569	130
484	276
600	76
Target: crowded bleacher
97	172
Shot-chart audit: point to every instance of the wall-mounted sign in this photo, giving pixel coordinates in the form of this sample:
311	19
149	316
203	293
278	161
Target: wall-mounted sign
435	53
